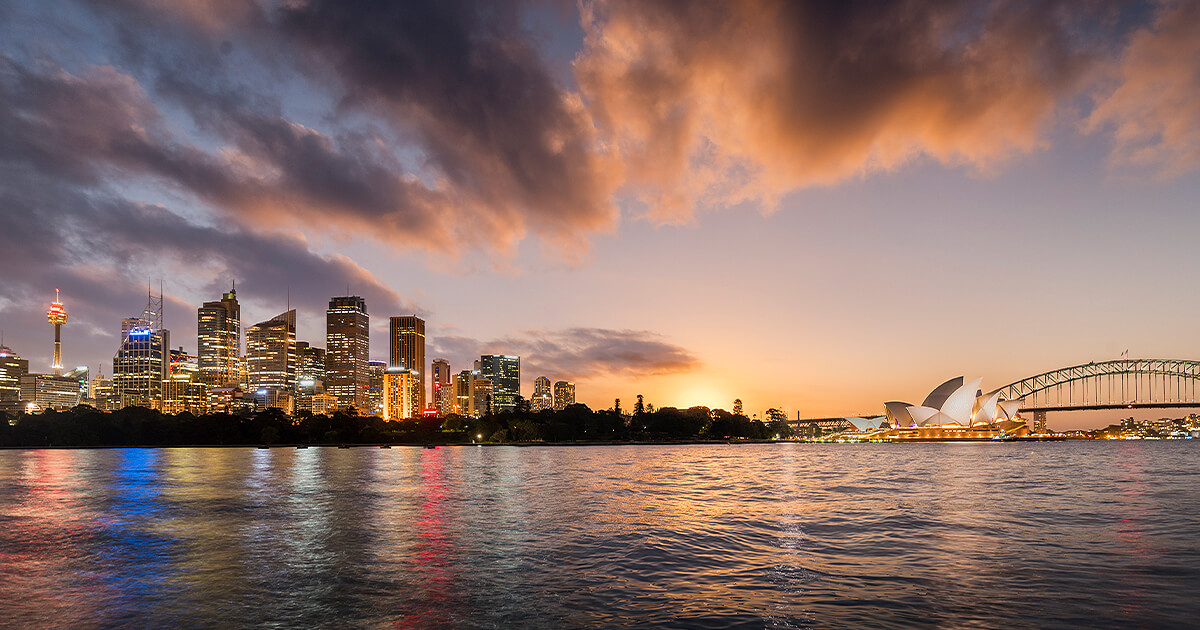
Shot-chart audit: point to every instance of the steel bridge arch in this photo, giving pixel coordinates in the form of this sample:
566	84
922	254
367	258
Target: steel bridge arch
1173	368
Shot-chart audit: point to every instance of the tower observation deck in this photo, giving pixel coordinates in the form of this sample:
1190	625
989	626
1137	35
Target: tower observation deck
57	315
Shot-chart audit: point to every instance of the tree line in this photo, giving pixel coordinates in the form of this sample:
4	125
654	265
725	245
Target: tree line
140	426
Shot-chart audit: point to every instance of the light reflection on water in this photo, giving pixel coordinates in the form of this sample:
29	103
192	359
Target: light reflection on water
788	536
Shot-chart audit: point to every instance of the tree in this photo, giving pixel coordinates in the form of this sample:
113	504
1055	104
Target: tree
737	406
777	425
617	406
639	407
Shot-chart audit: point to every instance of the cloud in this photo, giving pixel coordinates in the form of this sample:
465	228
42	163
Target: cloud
720	103
578	353
448	133
1154	109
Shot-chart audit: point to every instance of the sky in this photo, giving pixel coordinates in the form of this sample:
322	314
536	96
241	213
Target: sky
812	206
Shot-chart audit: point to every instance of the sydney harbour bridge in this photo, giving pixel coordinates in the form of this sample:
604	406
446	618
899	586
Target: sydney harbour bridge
1120	384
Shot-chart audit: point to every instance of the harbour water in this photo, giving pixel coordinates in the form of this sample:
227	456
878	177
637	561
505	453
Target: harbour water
983	535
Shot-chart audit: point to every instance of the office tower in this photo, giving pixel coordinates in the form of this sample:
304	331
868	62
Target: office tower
462	393
271	353
100	391
142	360
504	373
483	400
406	336
443	395
57	315
12	368
182	390
564	395
79	374
375	371
310	363
400	394
346	350
219	340
542	400
46	391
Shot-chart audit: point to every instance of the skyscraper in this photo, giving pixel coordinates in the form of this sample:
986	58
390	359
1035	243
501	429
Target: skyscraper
483	401
504	372
346	347
310	362
310	375
375	370
219	340
462	393
12	368
472	394
271	352
443	395
399	394
182	391
541	399
406	336
142	360
564	395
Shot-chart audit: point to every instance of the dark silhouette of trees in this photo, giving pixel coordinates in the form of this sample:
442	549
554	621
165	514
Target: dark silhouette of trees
139	426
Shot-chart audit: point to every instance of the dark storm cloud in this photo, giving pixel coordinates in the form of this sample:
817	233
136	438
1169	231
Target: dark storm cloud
578	353
496	148
462	79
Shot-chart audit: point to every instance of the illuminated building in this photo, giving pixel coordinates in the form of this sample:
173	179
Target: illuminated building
406	337
400	394
323	404
219	340
375	371
310	376
274	398
472	394
443	394
141	363
100	391
310	362
346	347
1039	422
182	390
271	353
504	373
79	374
541	399
12	368
483	401
227	399
48	391
462	393
57	315
955	411
564	395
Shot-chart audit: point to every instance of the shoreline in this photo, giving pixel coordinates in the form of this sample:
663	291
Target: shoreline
385	445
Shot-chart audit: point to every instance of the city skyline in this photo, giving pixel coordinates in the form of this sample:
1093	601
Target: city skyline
1018	201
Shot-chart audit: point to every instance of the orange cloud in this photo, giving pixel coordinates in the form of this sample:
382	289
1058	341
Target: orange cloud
1154	111
719	103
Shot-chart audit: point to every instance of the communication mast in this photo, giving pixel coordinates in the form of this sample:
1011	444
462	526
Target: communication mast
57	316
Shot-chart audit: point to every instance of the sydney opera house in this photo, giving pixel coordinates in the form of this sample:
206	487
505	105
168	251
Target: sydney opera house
955	411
